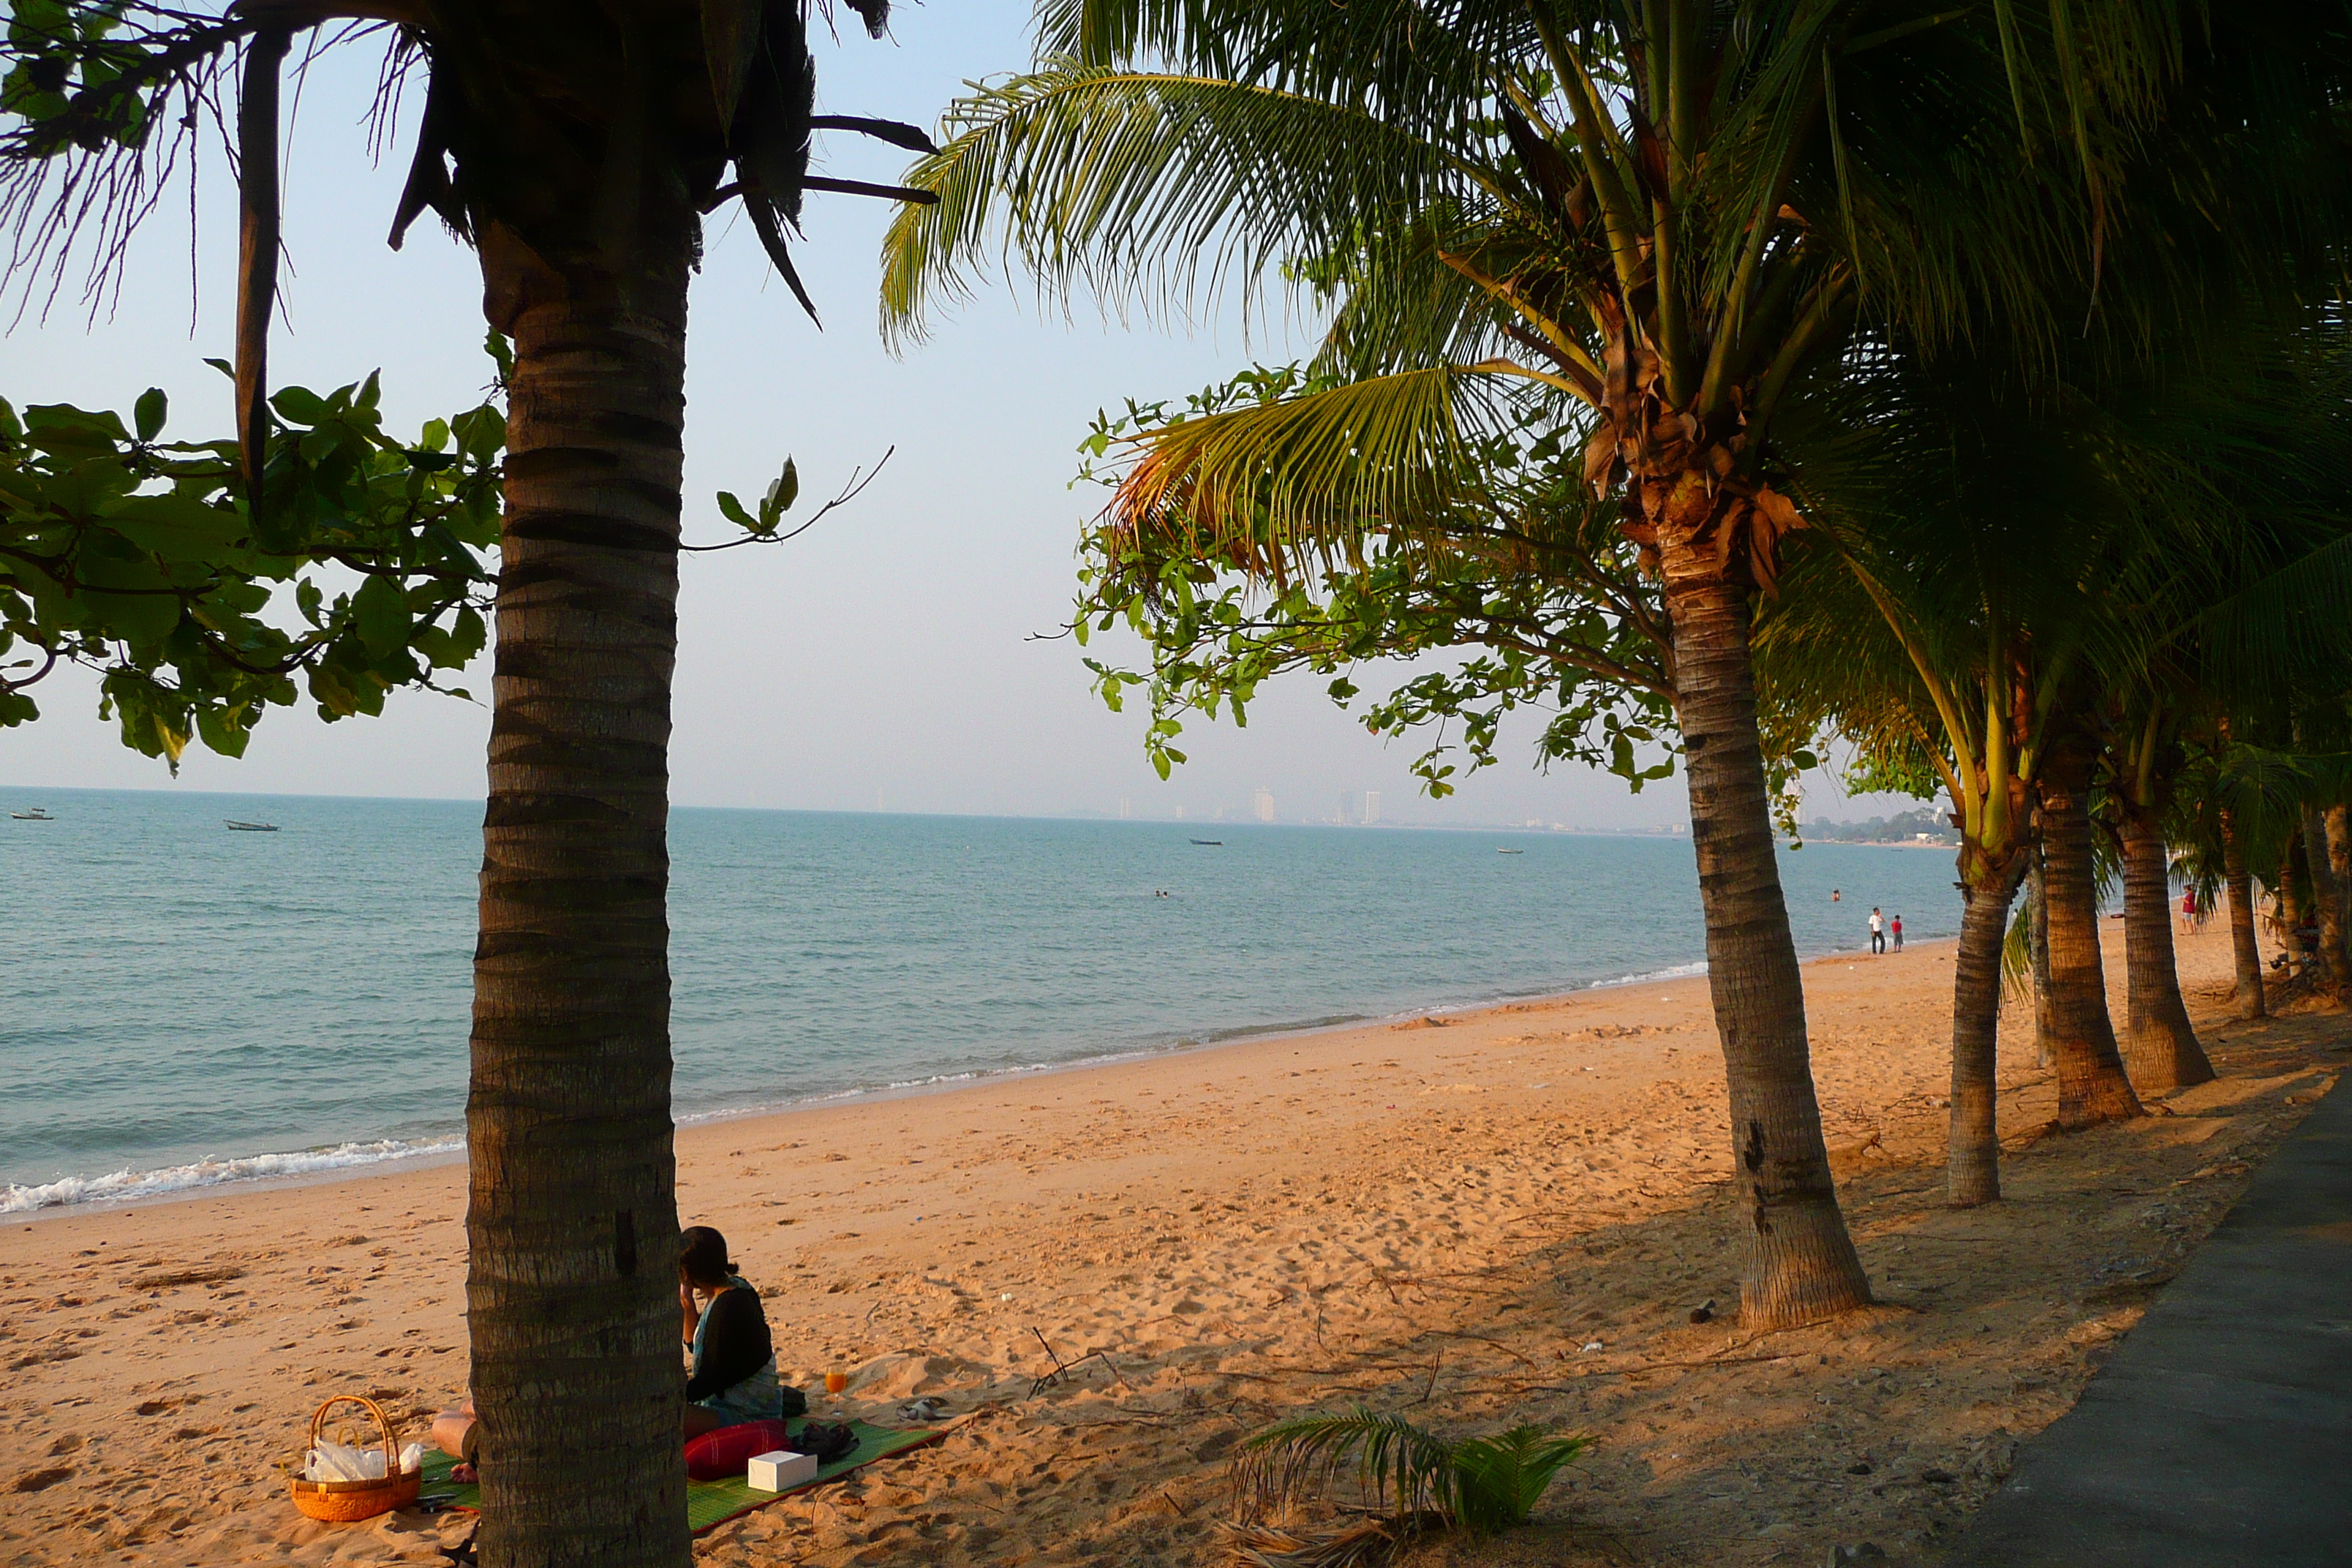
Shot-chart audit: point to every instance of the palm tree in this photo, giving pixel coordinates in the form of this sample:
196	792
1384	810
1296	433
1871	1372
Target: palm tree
577	149
2161	1049
1974	554
1635	227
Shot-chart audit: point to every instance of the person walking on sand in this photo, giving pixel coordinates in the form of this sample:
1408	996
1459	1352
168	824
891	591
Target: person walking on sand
1895	929
1877	930
2188	912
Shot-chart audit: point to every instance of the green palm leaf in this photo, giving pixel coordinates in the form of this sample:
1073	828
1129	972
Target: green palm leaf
1499	1480
1266	487
1401	1468
1140	185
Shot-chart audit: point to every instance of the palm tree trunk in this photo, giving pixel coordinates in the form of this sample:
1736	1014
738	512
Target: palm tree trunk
1800	1263
2037	890
572	1285
1972	1175
2288	915
2335	981
2244	950
2339	865
2161	1044
2092	1087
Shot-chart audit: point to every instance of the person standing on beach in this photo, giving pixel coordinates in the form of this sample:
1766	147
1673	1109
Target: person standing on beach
1895	927
2187	912
1877	930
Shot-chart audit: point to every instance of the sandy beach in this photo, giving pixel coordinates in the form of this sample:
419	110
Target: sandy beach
1488	1219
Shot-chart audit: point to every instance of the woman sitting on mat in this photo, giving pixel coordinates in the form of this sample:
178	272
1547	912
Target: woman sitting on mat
734	1374
733	1378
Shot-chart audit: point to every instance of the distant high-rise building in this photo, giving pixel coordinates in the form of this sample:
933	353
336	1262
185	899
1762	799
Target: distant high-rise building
1265	804
1180	814
1125	811
1371	807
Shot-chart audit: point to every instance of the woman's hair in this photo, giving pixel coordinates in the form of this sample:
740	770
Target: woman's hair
702	1253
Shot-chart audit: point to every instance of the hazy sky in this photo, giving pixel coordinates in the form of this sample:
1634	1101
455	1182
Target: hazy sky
883	658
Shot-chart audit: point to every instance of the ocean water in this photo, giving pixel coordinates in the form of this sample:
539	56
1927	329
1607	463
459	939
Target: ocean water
181	1004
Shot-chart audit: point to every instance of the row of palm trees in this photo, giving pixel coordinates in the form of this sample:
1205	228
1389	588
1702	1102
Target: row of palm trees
1958	382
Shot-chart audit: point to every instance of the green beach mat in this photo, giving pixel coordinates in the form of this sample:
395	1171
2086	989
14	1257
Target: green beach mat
709	1504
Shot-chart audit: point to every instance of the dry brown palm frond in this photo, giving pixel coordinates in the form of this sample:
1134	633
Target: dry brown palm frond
1350	1546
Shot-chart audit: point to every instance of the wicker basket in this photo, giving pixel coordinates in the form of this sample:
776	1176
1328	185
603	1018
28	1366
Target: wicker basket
341	1502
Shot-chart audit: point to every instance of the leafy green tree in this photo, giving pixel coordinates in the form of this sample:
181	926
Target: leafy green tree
1528	571
577	150
140	559
1641	224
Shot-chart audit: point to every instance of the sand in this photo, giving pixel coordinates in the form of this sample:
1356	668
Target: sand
1488	1219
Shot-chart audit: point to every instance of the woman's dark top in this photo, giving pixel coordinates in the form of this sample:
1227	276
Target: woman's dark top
735	1343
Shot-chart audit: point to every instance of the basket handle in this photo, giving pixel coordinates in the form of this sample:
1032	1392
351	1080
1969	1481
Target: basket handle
392	1470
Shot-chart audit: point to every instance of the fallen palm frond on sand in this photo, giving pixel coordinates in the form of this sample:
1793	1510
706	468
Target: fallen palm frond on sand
1409	1479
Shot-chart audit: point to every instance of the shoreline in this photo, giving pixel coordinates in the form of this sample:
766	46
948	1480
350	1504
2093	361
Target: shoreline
423	1159
426	1159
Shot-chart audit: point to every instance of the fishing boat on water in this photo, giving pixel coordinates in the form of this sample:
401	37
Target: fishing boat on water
236	826
1210	843
38	814
1510	851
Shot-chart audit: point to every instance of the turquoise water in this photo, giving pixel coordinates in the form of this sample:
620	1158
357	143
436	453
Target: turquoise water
181	1004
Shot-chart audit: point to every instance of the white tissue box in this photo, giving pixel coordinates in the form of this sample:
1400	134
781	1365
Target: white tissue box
774	1472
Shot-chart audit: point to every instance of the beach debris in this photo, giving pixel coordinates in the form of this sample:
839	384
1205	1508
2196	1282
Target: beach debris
1266	1546
1063	1369
216	1274
1590	1347
1704	1311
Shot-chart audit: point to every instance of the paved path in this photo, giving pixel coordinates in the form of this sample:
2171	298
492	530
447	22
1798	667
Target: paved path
2221	1435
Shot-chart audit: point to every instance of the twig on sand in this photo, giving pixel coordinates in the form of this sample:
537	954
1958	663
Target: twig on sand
1482	1339
1063	1369
1650	1366
1430	1387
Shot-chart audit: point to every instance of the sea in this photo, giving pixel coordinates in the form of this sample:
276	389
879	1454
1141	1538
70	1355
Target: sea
183	1006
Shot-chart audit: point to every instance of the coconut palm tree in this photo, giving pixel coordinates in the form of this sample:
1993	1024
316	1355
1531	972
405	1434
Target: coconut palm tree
1976	551
577	150
1637	227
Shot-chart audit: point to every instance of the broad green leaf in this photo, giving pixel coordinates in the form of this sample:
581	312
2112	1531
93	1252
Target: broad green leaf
301	405
380	611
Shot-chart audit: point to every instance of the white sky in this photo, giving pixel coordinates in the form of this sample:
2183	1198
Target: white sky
884	657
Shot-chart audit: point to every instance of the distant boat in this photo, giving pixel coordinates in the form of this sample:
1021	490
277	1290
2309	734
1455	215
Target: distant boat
1210	843
1510	851
38	813
235	826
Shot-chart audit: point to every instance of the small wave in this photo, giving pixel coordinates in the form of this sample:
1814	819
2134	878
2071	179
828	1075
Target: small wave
1674	972
20	1198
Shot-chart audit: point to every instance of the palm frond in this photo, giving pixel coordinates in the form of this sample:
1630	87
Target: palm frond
1498	1480
1399	1469
2017	954
1144	187
1266	1545
1265	487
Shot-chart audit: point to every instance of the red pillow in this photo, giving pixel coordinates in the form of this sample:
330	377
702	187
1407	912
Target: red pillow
715	1455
